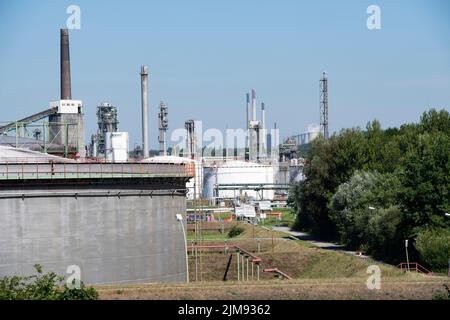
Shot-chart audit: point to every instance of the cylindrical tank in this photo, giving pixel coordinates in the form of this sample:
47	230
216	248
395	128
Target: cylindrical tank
237	173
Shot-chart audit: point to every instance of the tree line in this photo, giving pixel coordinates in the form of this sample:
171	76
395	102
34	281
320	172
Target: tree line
373	189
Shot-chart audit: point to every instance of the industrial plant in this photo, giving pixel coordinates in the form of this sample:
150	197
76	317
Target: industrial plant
111	210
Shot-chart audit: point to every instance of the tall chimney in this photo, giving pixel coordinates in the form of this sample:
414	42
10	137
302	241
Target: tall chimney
144	102
263	128
248	108
66	92
253	105
263	116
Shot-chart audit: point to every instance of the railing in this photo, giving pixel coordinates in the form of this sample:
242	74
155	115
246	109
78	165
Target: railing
253	257
279	272
92	170
244	258
413	266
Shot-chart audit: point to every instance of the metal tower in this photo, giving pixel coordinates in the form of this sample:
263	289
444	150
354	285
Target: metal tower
324	105
190	141
107	122
163	125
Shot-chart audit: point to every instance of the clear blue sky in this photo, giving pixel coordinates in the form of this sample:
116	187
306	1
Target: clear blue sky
203	57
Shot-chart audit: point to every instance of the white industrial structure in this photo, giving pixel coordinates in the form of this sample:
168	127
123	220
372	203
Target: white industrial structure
237	173
194	185
245	211
67	106
116	146
144	105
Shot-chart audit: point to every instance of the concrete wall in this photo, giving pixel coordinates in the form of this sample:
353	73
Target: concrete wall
121	238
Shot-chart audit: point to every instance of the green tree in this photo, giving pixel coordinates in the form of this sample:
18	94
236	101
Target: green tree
434	248
359	200
407	178
328	164
385	238
425	182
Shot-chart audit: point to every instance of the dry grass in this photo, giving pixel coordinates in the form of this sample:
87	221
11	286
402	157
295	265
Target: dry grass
336	289
317	273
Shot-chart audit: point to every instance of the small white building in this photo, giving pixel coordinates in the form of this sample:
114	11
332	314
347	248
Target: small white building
67	106
245	211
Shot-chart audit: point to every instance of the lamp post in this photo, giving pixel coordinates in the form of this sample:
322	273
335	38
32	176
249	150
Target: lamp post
373	209
448	270
407	257
180	219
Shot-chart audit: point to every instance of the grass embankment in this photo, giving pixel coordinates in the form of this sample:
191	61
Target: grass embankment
212	231
298	259
336	289
215	231
316	273
287	218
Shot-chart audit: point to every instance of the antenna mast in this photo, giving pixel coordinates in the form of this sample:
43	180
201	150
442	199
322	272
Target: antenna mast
324	105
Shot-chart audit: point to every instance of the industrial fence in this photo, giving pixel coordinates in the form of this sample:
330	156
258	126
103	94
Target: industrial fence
14	170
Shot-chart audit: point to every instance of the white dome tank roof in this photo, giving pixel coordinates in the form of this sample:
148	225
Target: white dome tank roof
167	159
238	164
11	154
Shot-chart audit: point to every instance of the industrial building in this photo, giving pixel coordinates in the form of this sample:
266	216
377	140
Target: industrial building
114	218
112	212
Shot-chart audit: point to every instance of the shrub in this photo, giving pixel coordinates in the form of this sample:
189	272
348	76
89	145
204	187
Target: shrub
349	206
434	248
384	235
442	294
235	231
48	286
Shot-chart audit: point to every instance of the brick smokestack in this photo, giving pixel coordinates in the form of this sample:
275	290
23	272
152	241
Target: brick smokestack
66	92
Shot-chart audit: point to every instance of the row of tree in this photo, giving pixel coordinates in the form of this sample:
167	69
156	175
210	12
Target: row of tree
373	189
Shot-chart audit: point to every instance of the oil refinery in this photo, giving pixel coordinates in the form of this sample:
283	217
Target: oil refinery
111	210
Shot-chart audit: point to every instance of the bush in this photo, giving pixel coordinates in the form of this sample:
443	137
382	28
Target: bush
384	235
235	231
48	286
349	207
443	294
434	248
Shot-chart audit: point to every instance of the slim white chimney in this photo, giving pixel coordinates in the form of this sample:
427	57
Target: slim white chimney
263	116
263	128
248	109
253	105
144	102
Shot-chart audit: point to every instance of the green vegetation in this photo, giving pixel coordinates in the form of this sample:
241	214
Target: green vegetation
287	218
223	215
235	231
48	286
207	235
434	248
443	294
373	189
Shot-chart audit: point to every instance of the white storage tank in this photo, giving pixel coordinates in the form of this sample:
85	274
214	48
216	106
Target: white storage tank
238	173
116	146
